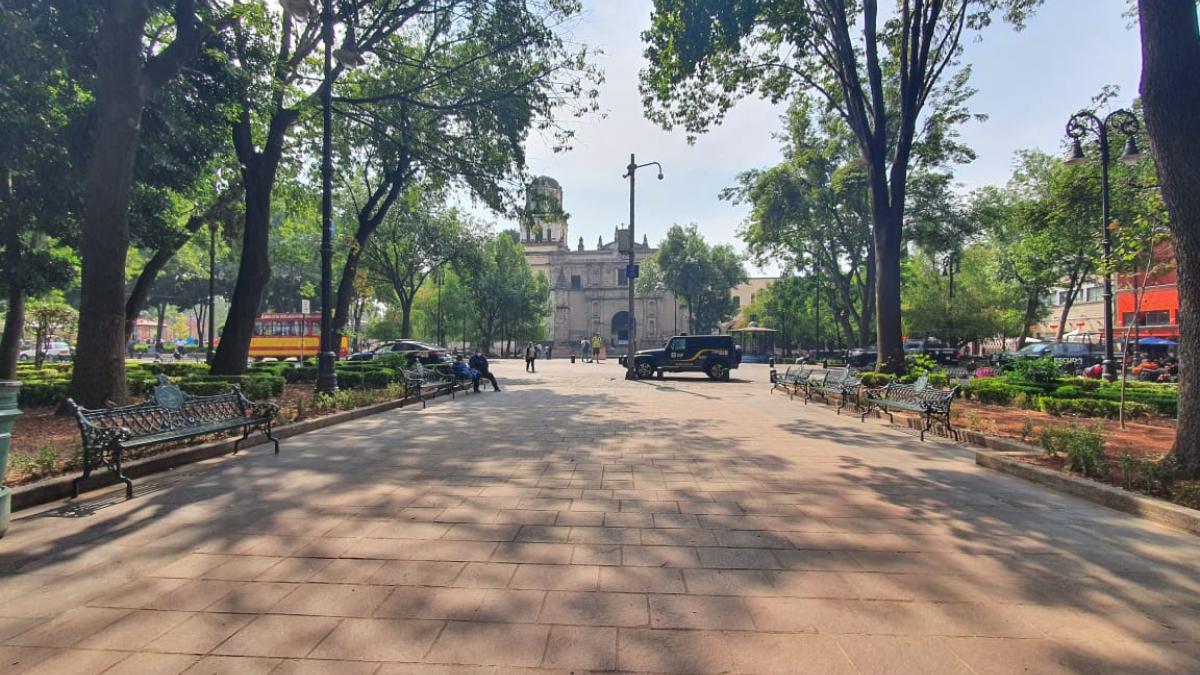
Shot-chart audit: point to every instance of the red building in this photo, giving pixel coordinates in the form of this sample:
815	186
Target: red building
1158	315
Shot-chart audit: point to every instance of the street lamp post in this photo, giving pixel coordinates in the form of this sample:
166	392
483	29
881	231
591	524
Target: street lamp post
212	289
630	173
326	373
1080	124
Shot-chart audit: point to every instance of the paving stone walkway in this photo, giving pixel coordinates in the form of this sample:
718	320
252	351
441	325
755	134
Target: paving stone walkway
578	522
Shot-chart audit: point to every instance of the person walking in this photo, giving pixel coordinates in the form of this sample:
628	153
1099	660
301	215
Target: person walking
597	343
585	350
530	358
479	362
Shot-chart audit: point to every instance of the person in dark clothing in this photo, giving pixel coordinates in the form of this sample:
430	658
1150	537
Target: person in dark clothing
530	358
480	363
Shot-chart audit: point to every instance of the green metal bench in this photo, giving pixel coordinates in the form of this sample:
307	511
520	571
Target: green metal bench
930	402
419	381
169	415
799	378
841	383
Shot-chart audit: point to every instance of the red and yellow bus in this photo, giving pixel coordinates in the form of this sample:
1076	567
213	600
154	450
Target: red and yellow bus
290	336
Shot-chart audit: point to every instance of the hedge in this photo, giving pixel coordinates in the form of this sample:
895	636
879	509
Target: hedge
1091	407
998	391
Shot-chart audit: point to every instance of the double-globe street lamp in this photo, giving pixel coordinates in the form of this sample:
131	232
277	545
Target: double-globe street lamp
1080	125
631	270
348	57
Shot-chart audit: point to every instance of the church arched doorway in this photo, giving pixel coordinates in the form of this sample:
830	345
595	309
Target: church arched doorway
620	328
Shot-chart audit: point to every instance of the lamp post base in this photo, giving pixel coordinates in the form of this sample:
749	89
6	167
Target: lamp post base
326	374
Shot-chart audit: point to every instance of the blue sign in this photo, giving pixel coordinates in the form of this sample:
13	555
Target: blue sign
631	271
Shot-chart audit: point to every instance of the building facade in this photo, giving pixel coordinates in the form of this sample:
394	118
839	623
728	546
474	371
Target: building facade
1158	312
589	292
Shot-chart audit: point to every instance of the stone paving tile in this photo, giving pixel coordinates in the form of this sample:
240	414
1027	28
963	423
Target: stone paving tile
69	628
490	644
378	640
199	634
76	662
673	651
233	665
699	611
641	580
774	653
332	600
418	573
146	663
595	608
582	648
280	636
556	577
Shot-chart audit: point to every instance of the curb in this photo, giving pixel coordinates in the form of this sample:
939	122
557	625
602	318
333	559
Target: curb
59	487
1155	510
994	457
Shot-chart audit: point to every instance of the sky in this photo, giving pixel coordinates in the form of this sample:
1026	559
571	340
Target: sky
1029	83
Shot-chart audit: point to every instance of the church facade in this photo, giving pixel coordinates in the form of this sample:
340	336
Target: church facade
589	293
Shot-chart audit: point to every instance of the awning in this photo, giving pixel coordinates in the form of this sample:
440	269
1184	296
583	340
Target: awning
1152	341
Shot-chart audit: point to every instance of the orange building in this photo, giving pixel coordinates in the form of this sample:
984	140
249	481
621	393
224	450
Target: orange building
1158	315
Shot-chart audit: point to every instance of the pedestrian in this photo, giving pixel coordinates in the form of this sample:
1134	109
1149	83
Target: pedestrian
585	350
597	343
530	358
549	350
480	363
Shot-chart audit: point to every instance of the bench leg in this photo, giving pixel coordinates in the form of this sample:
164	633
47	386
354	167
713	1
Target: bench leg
271	437
238	442
116	466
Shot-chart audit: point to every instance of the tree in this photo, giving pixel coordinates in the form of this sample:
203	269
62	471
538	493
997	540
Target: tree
130	68
957	297
816	204
1171	94
507	298
411	244
481	74
701	275
892	81
48	316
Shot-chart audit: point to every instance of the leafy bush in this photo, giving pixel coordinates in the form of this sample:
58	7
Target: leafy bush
204	388
377	378
1042	372
997	391
42	393
1163	399
350	380
1084	448
1068	391
875	379
302	374
173	370
1090	407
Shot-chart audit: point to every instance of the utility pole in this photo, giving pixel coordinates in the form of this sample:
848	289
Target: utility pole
630	173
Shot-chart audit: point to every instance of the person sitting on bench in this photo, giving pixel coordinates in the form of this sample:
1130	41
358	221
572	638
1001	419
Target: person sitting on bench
480	363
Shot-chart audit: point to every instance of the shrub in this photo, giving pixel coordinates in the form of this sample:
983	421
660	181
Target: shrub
378	378
997	391
350	379
1038	372
1068	391
875	379
301	374
173	370
42	393
259	387
204	388
1084	448
1090	407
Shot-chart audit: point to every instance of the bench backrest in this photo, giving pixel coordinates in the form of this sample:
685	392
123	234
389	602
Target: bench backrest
168	409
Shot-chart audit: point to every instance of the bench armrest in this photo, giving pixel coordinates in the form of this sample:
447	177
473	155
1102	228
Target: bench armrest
265	410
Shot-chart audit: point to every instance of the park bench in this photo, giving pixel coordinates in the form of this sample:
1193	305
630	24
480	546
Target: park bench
795	381
959	374
786	380
842	384
169	415
419	381
930	402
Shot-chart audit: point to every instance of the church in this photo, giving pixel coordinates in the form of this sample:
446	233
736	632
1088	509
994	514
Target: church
589	292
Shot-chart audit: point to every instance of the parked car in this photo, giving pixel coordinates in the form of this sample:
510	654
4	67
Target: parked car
862	357
1079	355
426	353
55	351
714	355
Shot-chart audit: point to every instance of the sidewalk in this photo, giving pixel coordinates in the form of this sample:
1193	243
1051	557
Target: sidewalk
577	521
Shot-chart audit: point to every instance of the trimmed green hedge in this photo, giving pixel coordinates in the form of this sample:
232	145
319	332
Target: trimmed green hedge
1091	407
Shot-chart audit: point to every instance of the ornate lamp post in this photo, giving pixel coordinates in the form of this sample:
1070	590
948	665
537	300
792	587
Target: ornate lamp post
1080	125
349	58
630	279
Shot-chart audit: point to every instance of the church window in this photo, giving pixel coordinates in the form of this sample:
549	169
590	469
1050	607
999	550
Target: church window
621	280
576	281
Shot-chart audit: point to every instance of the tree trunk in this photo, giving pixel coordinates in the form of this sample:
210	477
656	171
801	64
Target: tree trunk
1031	307
406	317
889	337
1065	314
99	373
161	311
1171	93
254	272
14	319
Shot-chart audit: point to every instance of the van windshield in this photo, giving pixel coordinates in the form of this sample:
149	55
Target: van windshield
1034	350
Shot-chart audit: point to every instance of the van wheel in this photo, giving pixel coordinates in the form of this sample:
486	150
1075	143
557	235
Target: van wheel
718	371
644	370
